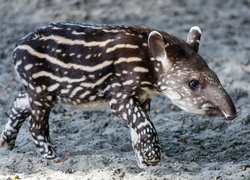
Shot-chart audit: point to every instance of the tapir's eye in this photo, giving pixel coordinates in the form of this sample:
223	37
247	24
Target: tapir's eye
194	84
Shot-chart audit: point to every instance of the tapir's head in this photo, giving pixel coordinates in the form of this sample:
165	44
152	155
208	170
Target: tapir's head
186	78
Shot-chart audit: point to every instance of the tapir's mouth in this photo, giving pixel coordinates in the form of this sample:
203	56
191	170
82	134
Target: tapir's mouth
216	111
213	111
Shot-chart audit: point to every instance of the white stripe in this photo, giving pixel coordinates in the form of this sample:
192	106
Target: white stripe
59	79
117	46
130	59
63	40
140	69
146	82
62	64
100	81
113	30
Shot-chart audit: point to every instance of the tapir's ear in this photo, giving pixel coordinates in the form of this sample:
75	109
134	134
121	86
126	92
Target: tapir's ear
193	38
157	47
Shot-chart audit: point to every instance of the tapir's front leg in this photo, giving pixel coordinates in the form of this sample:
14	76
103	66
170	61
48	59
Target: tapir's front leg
144	136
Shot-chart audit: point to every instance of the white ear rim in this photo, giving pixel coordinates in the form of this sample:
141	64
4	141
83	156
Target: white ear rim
196	28
163	57
153	33
193	38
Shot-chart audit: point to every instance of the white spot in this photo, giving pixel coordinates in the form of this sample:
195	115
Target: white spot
113	101
84	94
91	98
124	96
53	87
44	87
92	76
127	105
146	83
31	87
124	116
78	33
129	111
73	93
128	82
28	67
88	56
25	83
121	107
107	88
138	115
37	103
116	85
134	117
38	89
39	138
18	63
36	142
119	95
64	91
58	50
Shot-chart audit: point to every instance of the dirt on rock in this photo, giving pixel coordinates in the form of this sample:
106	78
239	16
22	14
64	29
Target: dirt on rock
97	145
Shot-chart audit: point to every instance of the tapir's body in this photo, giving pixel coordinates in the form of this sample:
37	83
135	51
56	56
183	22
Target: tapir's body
92	66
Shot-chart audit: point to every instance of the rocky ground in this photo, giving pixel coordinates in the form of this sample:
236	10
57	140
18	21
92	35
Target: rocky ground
96	145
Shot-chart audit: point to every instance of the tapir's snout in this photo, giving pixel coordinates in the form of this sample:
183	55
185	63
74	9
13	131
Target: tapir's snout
222	104
228	109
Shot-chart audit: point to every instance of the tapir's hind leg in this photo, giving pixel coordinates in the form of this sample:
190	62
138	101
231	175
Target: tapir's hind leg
19	111
39	128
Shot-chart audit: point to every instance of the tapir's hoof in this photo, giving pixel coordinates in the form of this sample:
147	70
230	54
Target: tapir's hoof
2	142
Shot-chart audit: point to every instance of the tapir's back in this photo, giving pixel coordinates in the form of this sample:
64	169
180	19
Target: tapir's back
78	45
80	62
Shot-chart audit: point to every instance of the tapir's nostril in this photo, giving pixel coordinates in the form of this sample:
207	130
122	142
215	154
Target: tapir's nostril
231	117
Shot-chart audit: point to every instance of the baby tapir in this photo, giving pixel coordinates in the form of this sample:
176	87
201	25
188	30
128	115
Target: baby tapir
94	66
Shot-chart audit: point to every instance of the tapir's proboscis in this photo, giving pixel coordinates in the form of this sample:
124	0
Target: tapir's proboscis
123	67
